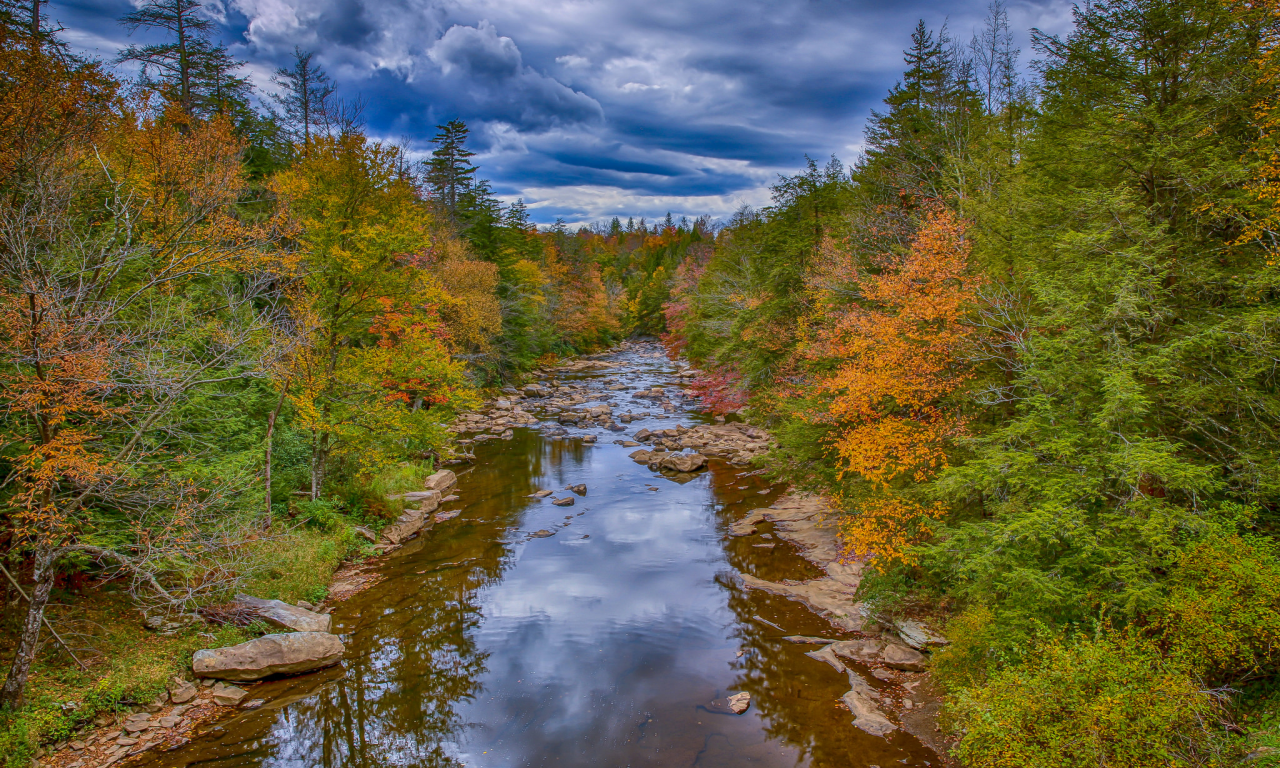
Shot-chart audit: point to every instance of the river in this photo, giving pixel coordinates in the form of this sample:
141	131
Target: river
598	646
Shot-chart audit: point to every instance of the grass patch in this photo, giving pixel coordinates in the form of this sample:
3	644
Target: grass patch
128	666
298	566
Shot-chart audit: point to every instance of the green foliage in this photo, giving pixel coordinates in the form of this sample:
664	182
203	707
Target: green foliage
1114	701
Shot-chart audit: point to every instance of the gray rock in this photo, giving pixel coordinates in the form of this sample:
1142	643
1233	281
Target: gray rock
683	462
404	527
228	695
903	658
861	702
281	614
281	654
181	691
918	636
441	481
731	705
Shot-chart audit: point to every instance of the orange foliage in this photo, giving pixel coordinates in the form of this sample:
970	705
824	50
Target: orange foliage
1266	184
897	361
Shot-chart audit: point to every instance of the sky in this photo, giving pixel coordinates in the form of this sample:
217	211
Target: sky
590	109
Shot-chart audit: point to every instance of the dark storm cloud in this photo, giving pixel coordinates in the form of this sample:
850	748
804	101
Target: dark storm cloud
594	107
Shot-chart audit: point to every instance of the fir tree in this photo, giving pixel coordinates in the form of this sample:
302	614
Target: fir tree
449	171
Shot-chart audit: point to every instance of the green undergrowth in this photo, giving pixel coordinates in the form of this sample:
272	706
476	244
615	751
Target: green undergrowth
128	665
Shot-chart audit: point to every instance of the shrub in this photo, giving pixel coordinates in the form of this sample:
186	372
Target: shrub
1114	701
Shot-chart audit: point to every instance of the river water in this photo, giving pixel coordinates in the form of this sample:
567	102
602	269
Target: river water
598	646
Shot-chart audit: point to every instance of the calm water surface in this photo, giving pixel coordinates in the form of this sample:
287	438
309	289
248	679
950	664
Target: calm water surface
595	647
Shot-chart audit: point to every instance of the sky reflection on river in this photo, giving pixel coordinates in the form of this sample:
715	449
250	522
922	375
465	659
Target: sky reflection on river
594	647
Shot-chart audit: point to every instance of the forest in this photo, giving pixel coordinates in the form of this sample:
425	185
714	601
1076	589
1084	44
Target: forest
1027	341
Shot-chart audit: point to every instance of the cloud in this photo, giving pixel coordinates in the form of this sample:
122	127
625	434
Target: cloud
488	71
586	105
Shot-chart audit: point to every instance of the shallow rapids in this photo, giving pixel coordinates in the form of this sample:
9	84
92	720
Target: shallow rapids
599	646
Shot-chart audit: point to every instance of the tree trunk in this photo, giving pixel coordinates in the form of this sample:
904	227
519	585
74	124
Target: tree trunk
271	428
319	458
28	641
35	19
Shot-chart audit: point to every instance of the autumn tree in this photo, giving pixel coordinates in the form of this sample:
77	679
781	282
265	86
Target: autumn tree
898	355
117	301
376	381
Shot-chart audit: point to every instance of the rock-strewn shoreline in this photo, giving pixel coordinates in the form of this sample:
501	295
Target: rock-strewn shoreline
895	656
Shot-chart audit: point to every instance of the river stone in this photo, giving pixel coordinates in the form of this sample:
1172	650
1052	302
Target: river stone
903	658
730	705
567	501
861	702
181	691
228	695
540	494
281	614
918	636
405	526
683	462
288	653
541	534
428	500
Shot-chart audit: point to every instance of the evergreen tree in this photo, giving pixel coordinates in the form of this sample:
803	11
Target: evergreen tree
195	72
305	99
449	171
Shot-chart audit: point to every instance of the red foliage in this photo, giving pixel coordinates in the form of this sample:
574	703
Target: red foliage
721	390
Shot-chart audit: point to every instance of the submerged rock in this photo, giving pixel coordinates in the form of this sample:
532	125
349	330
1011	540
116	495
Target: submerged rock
541	534
282	654
567	501
730	705
281	614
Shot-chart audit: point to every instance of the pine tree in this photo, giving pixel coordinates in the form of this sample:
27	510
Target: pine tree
449	171
197	73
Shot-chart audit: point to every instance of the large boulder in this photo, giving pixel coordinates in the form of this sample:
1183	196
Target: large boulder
282	614
683	462
441	481
283	654
903	658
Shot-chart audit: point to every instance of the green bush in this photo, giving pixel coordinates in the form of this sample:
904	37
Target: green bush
1115	701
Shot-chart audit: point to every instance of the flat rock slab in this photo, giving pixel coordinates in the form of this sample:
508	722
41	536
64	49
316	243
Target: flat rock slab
441	481
861	701
282	654
281	614
831	599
